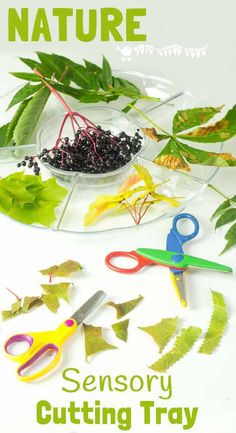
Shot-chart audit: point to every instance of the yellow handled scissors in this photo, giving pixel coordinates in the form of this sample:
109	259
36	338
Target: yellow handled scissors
41	344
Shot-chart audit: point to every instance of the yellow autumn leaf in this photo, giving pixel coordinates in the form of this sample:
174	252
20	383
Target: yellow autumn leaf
145	176
99	206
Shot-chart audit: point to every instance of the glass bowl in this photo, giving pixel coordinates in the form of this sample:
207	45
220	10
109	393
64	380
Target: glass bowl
108	118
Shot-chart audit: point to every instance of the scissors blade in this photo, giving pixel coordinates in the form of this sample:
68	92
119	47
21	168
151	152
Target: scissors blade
179	285
88	307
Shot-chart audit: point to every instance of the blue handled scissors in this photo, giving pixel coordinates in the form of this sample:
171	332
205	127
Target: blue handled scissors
174	242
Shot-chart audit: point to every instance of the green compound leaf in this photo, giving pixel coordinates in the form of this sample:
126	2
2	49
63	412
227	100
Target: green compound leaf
121	329
219	320
219	131
62	270
51	301
30	116
183	344
24	93
94	340
186	119
125	307
61	290
162	332
28	199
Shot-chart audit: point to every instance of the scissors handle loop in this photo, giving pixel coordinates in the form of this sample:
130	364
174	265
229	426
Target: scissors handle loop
188	237
141	261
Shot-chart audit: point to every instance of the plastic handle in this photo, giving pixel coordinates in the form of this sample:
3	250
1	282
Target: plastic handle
141	261
184	238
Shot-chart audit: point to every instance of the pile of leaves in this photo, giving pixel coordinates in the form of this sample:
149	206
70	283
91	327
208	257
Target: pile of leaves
52	295
226	214
135	200
87	83
29	199
177	155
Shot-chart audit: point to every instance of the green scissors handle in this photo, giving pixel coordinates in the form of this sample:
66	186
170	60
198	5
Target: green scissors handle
179	260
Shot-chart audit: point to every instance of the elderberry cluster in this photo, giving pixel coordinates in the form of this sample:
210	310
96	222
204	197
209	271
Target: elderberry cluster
93	150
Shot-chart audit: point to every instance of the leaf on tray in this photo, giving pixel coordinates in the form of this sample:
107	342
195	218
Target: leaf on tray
94	340
171	157
125	307
99	206
183	344
62	270
186	119
214	133
162	332
28	199
61	290
121	329
218	323
30	117
51	301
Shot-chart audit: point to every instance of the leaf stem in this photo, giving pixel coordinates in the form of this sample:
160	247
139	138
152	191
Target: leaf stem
150	120
218	191
14	294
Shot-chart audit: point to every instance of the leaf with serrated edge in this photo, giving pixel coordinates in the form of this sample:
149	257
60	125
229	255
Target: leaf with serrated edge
121	329
51	302
186	119
124	308
218	323
162	332
231	238
30	117
15	120
94	340
214	133
227	217
24	93
60	290
183	344
225	205
3	135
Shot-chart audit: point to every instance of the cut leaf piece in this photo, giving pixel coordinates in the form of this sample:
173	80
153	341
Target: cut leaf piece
125	307
51	301
60	290
218	323
121	329
30	302
62	270
183	344
94	340
186	119
219	131
162	332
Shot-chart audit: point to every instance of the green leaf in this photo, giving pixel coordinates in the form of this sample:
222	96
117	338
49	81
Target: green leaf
3	135
218	323
227	217
225	205
162	332
30	117
186	119
128	107
92	67
231	238
7	314
202	157
183	344
51	302
29	302
219	131
27	76
171	157
62	270
94	340
121	329
79	74
24	93
125	307
14	121
127	86
30	200
61	290
49	61
32	64
106	75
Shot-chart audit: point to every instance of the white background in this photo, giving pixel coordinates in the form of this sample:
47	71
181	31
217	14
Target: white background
206	382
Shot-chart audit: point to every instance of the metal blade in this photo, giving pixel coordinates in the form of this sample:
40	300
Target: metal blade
179	285
89	306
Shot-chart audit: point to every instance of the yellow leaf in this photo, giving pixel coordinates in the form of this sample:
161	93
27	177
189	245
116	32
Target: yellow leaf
130	181
172	162
145	176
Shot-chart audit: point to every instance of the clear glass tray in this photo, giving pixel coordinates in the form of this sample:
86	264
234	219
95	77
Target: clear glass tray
80	194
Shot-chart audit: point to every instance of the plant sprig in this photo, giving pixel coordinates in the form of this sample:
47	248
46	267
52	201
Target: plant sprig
177	154
87	83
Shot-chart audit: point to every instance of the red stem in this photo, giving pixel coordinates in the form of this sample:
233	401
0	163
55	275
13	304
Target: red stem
9	290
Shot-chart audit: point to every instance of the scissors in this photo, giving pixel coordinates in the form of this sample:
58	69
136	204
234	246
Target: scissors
173	257
48	342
